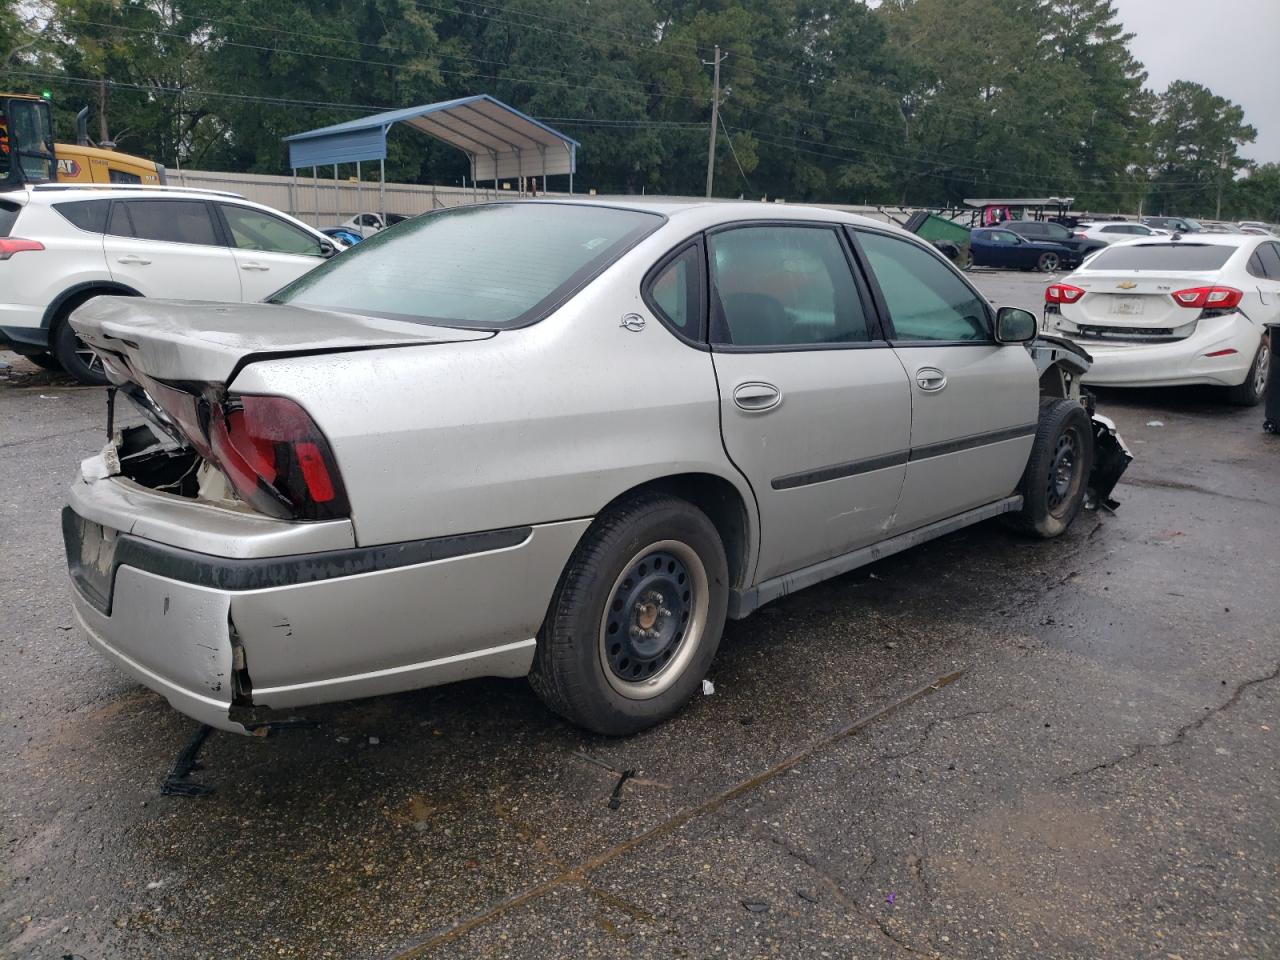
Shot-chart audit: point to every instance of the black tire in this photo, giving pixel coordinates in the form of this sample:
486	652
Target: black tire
77	359
1057	474
581	669
1048	262
1254	389
46	361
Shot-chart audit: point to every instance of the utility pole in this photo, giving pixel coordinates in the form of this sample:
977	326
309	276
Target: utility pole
715	119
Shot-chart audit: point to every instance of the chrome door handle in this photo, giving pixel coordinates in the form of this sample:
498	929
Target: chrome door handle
756	397
133	258
930	379
252	265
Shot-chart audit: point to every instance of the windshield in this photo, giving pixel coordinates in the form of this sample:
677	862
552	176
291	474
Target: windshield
1163	256
489	267
26	142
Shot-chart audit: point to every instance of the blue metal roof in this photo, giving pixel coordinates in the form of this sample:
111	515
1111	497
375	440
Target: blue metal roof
500	140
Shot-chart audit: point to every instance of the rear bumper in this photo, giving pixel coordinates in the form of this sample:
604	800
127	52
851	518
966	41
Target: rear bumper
217	635
1182	362
20	329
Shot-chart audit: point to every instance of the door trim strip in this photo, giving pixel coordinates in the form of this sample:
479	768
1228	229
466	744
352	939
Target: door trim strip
851	468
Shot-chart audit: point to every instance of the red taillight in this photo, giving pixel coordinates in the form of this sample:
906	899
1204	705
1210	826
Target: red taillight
1062	293
276	458
11	245
1208	298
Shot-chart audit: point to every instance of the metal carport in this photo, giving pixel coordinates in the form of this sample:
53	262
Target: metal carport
499	140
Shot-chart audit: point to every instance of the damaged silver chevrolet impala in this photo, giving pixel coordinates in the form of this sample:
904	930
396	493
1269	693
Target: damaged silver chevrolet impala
554	439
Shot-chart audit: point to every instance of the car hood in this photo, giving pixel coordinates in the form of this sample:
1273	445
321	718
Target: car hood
208	342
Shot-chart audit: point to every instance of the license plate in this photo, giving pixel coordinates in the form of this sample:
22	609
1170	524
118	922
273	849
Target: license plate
1127	306
91	554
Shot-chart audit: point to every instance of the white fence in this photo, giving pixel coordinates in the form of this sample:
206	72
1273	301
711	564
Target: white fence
326	202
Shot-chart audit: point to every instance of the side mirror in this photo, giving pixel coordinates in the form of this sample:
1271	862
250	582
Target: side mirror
327	249
1014	325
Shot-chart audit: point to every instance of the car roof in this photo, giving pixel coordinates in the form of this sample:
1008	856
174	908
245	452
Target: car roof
726	210
73	191
1194	239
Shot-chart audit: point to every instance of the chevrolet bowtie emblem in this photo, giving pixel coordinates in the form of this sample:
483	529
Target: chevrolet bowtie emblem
1127	285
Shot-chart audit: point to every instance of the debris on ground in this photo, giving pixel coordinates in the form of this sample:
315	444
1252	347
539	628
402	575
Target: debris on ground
615	798
756	906
176	783
708	688
1155	423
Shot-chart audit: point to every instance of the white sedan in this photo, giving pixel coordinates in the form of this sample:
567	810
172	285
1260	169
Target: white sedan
1116	231
1164	312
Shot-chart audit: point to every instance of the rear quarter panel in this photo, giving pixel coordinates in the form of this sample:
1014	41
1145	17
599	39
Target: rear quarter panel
546	423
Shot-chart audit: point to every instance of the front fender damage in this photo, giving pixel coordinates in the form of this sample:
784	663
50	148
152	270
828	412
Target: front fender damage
1060	364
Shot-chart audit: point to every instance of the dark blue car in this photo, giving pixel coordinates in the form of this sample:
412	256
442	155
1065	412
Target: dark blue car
998	247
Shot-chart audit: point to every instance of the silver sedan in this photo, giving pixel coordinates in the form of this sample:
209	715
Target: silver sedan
556	439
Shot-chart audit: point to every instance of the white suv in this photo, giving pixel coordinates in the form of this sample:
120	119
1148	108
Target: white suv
62	245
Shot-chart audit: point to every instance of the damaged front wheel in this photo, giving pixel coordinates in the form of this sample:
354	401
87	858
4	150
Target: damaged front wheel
1057	474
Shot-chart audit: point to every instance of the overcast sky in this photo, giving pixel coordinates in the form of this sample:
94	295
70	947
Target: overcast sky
1230	46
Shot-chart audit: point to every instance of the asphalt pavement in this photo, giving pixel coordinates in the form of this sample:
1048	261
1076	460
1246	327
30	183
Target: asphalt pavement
984	747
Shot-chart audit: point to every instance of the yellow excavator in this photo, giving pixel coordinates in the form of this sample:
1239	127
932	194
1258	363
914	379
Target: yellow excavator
29	155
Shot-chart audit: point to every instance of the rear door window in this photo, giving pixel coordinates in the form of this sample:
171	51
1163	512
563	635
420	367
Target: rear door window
90	215
675	292
8	216
172	221
1269	255
118	223
926	300
784	286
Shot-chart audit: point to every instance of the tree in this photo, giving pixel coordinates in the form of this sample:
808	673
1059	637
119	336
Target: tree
1196	141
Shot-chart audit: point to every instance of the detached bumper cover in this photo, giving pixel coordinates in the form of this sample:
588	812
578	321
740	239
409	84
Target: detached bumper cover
1111	458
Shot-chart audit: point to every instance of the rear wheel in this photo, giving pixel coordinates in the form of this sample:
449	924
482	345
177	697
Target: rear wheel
1057	473
636	618
72	352
1049	262
1254	389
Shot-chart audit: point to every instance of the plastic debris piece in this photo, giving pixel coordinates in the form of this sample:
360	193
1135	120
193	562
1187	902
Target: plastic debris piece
708	688
807	896
891	898
756	906
615	798
1155	423
374	741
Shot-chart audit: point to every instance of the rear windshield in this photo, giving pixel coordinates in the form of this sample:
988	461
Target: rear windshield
8	215
488	267
1163	256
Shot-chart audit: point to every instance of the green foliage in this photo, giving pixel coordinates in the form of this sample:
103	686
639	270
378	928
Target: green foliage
912	101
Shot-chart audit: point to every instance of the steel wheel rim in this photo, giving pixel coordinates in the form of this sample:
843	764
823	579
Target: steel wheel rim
1064	470
86	355
670	612
1262	368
